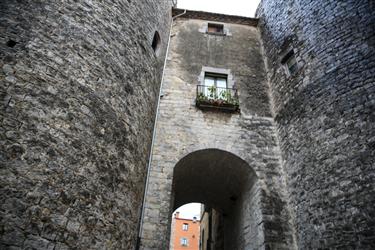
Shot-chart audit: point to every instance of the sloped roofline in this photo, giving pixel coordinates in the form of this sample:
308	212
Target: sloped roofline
216	17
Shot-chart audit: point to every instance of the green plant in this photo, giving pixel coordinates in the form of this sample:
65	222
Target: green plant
226	96
218	98
212	92
201	97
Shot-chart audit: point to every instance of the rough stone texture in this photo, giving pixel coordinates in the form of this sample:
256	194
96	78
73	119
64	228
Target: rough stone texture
78	86
79	83
185	134
325	116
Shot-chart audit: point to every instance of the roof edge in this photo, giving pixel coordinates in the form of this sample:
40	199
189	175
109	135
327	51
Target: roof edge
188	219
217	17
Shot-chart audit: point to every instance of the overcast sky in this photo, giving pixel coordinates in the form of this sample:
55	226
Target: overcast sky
232	7
189	211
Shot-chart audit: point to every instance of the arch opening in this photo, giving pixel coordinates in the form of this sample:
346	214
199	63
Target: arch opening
226	185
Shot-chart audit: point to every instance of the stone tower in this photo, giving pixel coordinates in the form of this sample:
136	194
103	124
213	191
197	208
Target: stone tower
79	87
325	113
319	63
204	152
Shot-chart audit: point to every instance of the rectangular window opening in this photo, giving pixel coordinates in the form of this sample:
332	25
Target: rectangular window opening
184	241
290	63
215	28
215	85
185	226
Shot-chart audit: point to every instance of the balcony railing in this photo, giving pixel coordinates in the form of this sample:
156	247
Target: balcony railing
211	97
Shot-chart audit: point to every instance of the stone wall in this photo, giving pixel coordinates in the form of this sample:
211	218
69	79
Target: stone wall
183	130
325	116
79	86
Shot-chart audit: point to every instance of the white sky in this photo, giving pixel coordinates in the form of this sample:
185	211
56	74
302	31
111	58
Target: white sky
190	210
232	7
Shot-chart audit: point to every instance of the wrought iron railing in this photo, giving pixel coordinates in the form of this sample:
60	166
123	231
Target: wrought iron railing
216	97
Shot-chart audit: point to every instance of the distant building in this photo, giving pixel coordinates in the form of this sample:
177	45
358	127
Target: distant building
185	233
211	229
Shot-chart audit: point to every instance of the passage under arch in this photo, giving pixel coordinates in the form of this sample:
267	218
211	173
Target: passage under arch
227	186
213	177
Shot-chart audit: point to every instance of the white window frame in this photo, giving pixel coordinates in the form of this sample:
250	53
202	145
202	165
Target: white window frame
289	60
215	77
184	241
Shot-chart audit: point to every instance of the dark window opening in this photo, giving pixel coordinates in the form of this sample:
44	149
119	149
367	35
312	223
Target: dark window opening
11	43
156	42
233	198
214	28
290	63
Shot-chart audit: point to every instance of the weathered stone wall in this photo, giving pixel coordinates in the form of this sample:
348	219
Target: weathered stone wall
325	116
183	129
79	85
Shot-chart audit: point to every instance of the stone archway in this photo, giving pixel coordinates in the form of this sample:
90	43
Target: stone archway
221	180
214	177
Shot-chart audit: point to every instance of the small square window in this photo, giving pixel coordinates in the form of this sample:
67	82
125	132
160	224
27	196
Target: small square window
184	241
290	63
185	226
215	28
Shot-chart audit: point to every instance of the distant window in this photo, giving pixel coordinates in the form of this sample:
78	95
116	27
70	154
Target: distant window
215	28
214	85
184	242
185	226
290	63
156	42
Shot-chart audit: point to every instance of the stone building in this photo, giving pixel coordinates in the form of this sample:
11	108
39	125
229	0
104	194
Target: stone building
184	233
227	160
79	88
324	116
286	154
211	229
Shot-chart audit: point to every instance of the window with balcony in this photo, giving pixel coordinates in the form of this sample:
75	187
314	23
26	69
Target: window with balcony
214	93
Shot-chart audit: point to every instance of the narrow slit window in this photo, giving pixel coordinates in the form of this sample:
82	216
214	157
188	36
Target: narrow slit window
290	63
156	42
215	28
